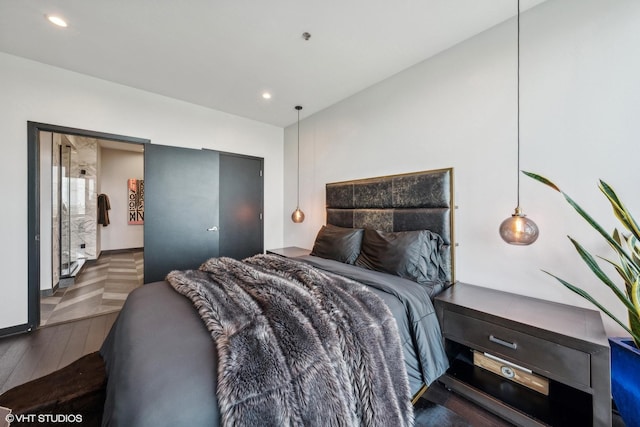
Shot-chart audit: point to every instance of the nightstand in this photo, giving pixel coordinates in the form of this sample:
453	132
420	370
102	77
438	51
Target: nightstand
563	346
289	252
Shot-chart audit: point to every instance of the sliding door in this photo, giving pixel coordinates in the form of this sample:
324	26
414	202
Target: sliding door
241	194
200	204
181	209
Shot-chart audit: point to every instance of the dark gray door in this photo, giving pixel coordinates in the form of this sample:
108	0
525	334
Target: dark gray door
241	202
181	205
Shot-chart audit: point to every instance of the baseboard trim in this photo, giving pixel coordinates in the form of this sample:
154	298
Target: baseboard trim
120	251
15	330
49	292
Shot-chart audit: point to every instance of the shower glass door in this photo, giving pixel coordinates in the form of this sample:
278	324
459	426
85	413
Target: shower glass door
67	259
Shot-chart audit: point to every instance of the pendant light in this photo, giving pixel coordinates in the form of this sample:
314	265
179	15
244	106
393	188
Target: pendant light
298	216
518	229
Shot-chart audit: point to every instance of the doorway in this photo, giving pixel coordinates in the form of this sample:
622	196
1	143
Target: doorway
97	258
178	215
63	229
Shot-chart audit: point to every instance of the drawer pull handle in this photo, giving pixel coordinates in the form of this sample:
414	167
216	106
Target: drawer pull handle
503	342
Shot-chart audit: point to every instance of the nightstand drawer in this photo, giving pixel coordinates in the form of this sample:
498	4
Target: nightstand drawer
544	357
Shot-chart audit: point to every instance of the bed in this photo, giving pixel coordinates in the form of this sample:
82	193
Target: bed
387	240
161	361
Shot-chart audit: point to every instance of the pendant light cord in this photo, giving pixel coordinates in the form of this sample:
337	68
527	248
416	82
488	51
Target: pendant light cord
518	97
298	164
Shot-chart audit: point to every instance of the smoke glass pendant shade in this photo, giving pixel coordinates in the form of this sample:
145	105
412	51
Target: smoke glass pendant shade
297	216
518	229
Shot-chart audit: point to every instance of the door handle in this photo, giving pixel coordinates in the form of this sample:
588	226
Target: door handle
214	228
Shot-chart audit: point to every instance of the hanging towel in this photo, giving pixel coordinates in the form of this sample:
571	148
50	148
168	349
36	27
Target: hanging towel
103	209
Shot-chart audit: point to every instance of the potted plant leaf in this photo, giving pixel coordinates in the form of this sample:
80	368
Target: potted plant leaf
625	353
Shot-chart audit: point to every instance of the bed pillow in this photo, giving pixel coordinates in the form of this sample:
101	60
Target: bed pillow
338	243
413	255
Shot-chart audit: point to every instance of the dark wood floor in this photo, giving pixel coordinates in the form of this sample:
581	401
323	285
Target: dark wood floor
472	413
29	356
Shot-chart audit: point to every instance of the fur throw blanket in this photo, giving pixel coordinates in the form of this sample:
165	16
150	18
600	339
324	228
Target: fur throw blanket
298	346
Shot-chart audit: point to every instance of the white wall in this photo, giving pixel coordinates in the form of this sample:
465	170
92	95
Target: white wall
40	93
46	229
117	167
580	99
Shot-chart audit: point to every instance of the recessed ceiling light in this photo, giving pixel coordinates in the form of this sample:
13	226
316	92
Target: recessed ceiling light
56	20
266	95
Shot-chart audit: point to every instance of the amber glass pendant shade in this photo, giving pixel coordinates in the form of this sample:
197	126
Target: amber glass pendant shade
297	216
518	229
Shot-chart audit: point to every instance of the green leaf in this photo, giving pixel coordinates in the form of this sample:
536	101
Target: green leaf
616	247
634	247
542	179
593	301
617	236
593	265
635	323
625	273
619	210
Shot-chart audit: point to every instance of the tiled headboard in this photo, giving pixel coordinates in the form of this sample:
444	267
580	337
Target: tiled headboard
413	201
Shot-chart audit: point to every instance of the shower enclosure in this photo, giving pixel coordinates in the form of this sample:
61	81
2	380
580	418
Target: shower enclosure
68	258
72	191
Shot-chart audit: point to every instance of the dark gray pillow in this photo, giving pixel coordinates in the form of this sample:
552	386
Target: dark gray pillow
413	255
338	243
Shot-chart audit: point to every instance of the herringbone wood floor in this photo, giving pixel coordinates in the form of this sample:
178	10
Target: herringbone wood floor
101	287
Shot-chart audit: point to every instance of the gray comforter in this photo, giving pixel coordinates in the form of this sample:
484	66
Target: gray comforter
162	363
412	307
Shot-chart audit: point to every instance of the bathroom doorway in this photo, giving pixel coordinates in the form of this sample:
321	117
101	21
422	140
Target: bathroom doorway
81	263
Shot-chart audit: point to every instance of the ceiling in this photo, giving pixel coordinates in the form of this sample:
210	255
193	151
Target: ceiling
224	54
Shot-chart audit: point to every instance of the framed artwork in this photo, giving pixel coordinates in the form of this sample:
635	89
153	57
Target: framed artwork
136	201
